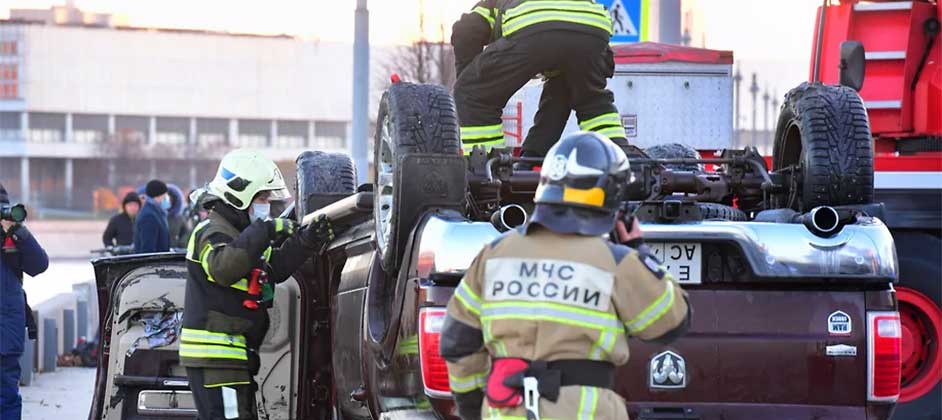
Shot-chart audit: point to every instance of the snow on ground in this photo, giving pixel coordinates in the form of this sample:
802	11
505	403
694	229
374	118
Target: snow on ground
65	394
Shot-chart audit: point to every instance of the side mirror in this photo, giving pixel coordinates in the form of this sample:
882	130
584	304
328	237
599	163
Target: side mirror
853	63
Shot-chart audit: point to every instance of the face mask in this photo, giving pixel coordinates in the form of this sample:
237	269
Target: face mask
261	211
165	204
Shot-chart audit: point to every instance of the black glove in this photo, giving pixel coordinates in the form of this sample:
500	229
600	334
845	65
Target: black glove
318	233
280	228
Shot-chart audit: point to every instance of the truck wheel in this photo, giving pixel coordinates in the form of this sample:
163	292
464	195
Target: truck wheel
414	120
823	132
720	211
918	293
675	151
322	179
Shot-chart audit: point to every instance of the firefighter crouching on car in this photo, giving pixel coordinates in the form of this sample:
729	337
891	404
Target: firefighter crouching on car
228	254
566	41
554	302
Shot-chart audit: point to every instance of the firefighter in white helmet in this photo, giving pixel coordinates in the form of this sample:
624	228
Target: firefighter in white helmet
542	317
233	261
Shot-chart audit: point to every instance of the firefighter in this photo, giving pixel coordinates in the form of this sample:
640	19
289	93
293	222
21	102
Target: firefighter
566	41
229	255
549	307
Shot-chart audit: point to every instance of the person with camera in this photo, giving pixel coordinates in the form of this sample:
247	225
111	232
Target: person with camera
234	259
20	253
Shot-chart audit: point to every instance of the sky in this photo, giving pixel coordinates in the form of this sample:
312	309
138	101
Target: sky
769	37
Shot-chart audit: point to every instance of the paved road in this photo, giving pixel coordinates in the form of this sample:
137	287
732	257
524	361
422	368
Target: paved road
61	395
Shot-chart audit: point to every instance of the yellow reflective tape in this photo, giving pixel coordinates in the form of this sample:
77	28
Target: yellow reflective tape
486	14
594	196
408	346
190	335
225	384
468	383
468	298
267	254
204	261
588	401
613	132
191	243
546	311
571	6
482	132
208	351
242	284
604	119
279	225
654	311
604	24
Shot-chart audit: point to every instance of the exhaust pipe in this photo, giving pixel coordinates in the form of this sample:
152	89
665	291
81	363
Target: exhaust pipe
509	217
823	221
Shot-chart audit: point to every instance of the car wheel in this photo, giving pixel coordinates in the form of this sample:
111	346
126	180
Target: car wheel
417	135
823	134
322	179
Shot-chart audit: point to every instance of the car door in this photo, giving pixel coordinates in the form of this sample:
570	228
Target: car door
141	300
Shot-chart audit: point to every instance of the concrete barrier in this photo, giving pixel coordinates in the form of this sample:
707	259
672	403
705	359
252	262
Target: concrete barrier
27	362
50	345
62	320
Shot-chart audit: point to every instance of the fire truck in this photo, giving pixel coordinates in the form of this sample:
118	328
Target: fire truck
889	51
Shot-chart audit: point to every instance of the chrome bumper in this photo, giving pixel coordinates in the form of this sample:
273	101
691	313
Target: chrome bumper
862	251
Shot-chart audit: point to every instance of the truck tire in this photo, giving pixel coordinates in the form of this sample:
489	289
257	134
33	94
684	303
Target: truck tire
719	211
675	151
322	179
413	119
823	132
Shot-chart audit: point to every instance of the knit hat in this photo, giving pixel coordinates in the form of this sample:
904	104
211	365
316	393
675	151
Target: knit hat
131	197
155	188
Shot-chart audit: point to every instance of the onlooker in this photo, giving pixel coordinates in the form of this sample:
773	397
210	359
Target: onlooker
175	218
20	253
120	230
151	232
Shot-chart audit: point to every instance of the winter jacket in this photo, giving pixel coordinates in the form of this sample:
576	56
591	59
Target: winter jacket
29	258
120	230
151	232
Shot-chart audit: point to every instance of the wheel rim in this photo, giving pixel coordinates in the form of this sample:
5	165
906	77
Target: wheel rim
384	186
920	319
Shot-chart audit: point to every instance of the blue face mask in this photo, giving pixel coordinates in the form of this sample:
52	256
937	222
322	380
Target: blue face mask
165	204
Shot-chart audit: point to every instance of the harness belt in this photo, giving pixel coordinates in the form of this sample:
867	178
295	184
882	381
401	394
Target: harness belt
507	378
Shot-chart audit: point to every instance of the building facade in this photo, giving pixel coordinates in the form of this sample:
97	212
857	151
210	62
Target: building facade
86	108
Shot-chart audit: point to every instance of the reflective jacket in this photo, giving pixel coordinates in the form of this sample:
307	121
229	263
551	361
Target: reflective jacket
218	331
538	295
490	20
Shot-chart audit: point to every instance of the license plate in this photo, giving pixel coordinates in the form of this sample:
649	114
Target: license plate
682	259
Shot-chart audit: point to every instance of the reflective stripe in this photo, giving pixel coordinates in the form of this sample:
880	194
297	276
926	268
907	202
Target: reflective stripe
588	401
225	384
466	383
654	311
482	132
602	120
191	243
468	298
267	254
553	312
408	346
603	23
603	346
279	224
207	351
486	13
204	262
571	6
190	335
612	132
495	345
242	284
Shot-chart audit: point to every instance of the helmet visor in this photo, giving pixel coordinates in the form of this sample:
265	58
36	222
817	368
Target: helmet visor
279	194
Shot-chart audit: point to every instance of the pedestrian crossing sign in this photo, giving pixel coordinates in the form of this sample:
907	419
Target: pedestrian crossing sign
629	18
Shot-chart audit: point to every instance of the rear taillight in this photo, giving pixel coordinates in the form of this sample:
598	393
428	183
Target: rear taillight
434	370
884	338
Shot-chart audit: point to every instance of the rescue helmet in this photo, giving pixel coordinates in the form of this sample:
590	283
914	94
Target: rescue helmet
582	184
242	174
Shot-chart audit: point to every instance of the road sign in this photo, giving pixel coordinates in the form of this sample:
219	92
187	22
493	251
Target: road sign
628	19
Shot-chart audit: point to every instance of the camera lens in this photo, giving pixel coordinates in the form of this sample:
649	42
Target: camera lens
18	213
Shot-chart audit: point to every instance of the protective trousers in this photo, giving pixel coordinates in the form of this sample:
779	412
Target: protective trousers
10	402
581	64
222	402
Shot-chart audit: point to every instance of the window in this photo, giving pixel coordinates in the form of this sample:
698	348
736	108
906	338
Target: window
88	136
8	48
330	135
9	81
